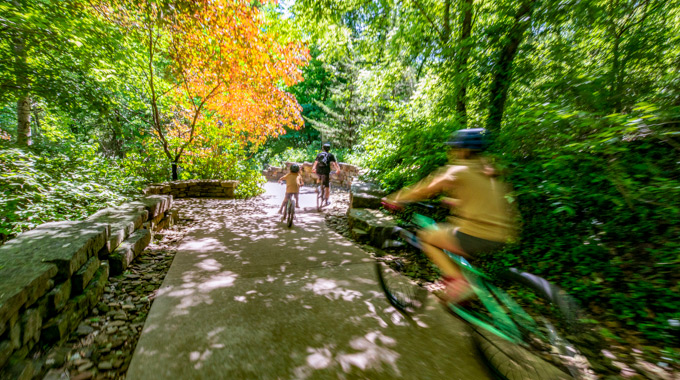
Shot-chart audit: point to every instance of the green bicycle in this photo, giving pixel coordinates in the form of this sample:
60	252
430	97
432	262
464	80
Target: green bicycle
522	322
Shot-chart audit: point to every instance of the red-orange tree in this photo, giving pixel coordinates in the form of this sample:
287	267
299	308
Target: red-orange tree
213	63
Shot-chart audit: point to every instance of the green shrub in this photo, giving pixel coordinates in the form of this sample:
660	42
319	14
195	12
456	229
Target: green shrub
600	202
307	154
65	182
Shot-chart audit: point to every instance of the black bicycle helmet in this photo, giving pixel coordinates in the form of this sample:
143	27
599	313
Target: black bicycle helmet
326	146
473	139
294	168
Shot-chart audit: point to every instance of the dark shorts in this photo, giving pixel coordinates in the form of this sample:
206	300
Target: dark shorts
325	178
476	246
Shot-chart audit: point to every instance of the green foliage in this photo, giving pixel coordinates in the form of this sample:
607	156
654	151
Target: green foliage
306	154
601	208
344	112
68	181
226	166
410	142
48	52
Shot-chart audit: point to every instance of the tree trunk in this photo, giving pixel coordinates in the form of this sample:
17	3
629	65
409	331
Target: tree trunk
461	64
614	96
503	76
446	32
24	121
23	98
175	175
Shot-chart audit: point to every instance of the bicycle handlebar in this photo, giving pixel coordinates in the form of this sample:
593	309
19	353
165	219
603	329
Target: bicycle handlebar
397	205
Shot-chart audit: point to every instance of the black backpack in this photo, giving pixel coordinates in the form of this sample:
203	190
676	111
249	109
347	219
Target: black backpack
324	160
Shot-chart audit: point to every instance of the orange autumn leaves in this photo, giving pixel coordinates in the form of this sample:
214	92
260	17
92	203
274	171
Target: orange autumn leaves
231	73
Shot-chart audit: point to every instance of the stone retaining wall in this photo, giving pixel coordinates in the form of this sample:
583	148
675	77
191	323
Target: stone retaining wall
197	188
52	276
342	179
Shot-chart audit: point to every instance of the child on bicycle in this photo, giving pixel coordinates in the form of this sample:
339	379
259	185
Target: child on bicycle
293	182
484	219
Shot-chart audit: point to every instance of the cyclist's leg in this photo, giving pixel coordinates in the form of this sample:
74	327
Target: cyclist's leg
434	241
297	200
283	204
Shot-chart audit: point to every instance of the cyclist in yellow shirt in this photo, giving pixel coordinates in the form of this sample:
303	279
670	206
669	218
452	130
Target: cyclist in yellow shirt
484	220
293	182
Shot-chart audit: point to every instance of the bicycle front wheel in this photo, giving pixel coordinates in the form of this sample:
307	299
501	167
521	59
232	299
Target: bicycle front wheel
407	297
544	318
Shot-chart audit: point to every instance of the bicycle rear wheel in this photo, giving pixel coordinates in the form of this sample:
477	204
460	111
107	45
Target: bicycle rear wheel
320	197
534	345
290	211
407	297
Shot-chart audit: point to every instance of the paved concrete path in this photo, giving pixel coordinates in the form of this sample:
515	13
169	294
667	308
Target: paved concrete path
248	298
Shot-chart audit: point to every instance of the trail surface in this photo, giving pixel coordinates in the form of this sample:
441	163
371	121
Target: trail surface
248	298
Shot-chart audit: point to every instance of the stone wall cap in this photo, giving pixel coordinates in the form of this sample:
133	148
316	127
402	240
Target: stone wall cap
67	244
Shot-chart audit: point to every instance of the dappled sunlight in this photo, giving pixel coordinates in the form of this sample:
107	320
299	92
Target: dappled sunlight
332	289
301	302
221	280
201	245
194	289
371	351
209	265
371	314
372	354
198	358
369	281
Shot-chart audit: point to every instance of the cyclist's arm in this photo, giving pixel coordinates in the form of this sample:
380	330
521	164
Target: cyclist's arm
283	178
336	166
451	202
426	188
314	166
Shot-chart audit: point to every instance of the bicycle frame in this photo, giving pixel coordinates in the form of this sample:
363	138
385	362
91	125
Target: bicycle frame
497	313
494	300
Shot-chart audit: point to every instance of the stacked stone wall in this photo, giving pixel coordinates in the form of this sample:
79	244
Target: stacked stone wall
342	179
52	276
204	188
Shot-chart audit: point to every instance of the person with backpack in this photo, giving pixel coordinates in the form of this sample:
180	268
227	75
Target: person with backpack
322	167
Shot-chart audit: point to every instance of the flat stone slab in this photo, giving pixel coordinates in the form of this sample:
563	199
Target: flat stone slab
365	195
21	283
83	276
123	220
246	297
126	252
154	204
66	244
371	225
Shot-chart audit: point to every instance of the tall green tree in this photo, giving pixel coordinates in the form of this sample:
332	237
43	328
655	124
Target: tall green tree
48	55
345	110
